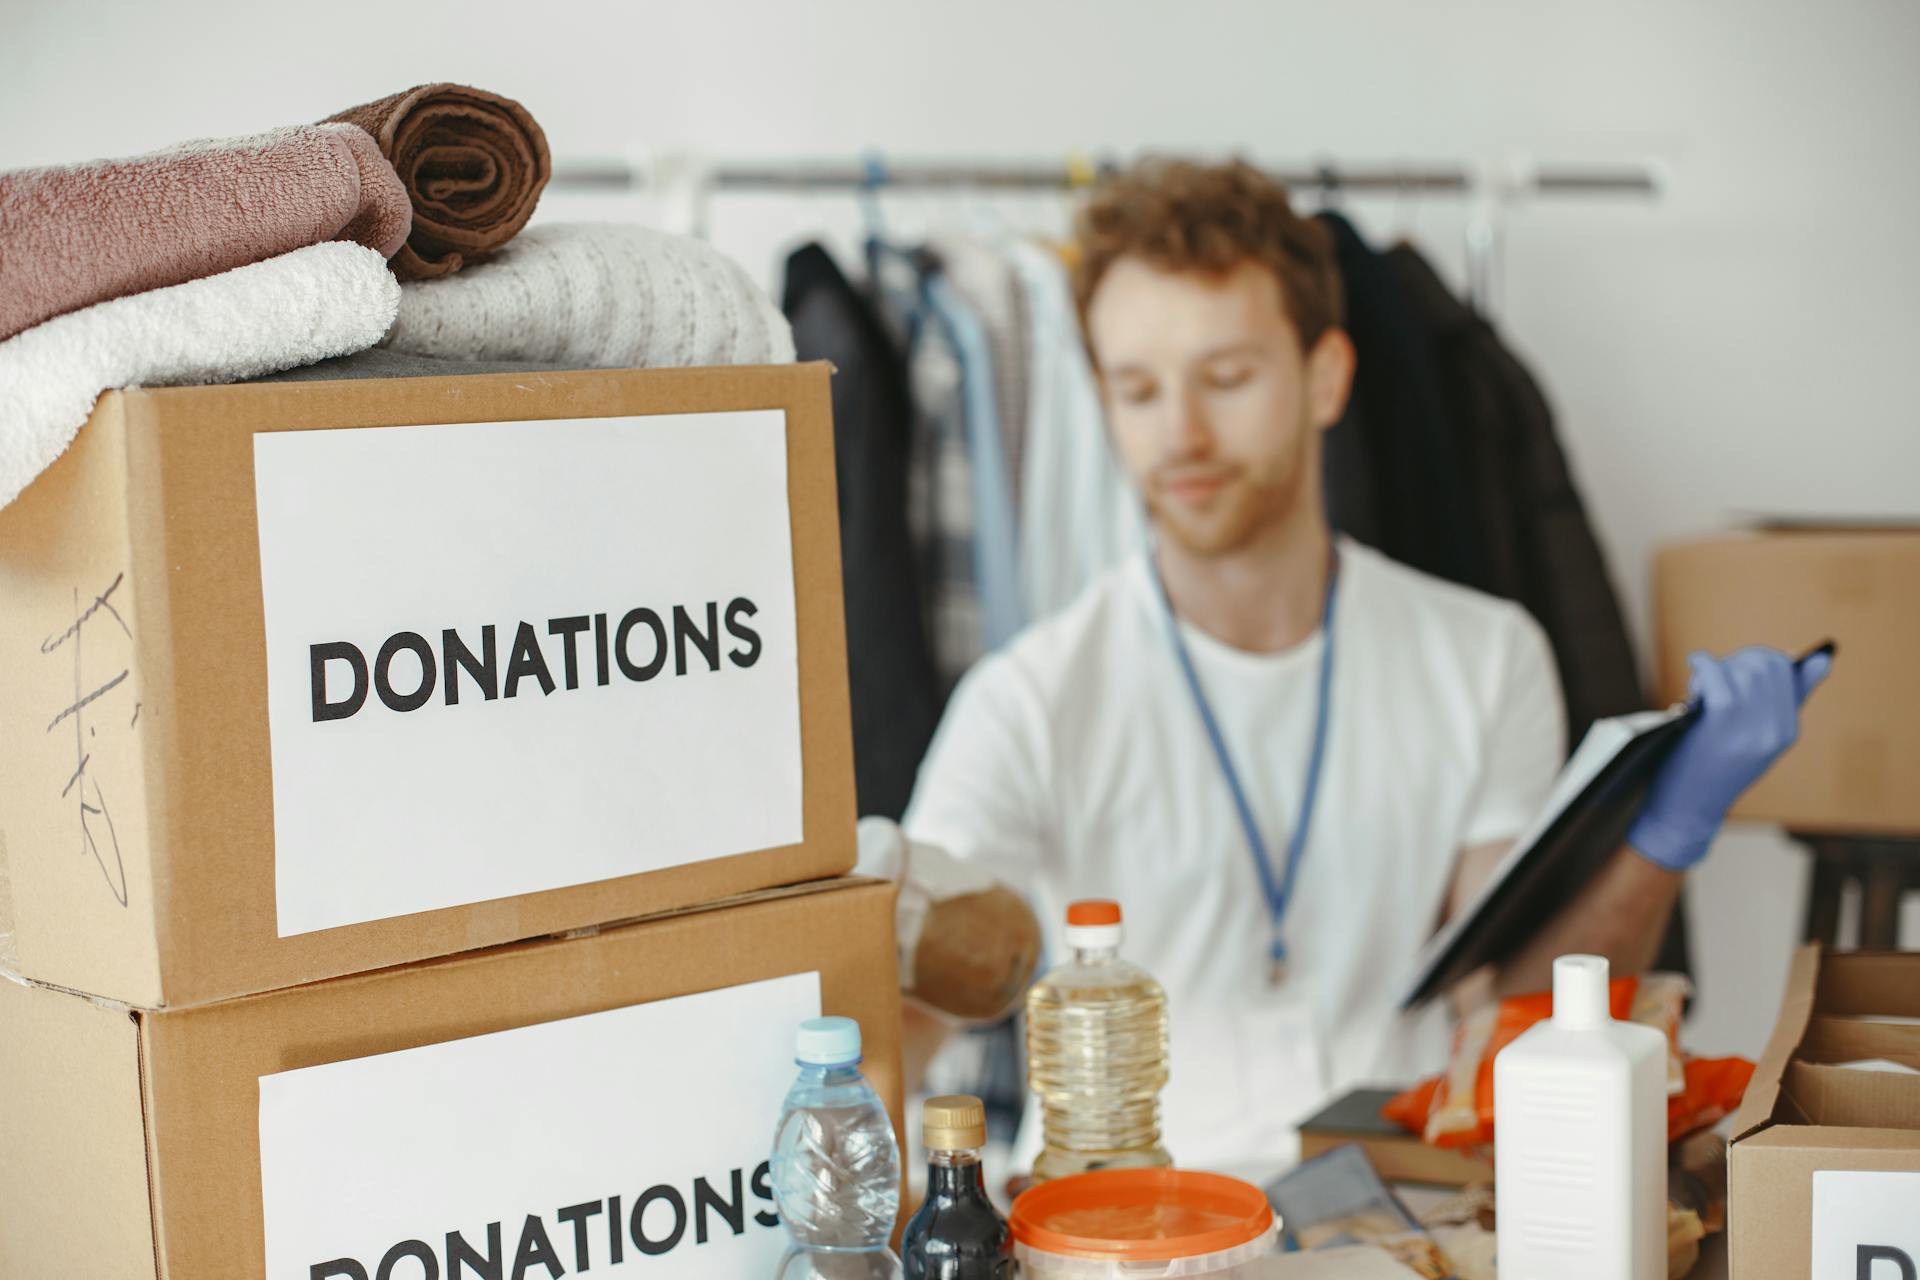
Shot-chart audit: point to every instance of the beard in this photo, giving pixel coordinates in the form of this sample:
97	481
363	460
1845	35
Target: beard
1250	504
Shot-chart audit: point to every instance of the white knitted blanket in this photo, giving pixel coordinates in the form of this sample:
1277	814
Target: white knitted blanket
324	300
595	295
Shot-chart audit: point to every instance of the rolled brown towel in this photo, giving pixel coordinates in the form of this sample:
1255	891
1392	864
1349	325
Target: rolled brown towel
473	162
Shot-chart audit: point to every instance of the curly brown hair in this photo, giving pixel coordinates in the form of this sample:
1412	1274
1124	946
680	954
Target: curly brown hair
1180	215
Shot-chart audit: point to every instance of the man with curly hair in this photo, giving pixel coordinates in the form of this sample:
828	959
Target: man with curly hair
1288	757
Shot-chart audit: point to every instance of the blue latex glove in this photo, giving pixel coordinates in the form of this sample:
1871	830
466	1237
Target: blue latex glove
1750	714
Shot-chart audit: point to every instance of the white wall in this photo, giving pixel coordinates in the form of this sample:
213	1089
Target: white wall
1746	343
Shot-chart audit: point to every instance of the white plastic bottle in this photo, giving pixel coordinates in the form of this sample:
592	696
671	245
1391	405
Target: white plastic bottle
1580	1140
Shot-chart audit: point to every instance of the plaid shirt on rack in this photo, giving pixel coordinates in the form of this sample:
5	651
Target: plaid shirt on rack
940	476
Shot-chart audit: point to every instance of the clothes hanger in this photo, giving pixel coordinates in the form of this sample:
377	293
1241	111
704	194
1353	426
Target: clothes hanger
1084	172
701	182
1482	241
1406	197
683	183
1482	248
979	218
1327	185
872	217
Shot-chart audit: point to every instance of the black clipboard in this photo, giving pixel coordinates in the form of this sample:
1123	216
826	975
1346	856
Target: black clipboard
1596	799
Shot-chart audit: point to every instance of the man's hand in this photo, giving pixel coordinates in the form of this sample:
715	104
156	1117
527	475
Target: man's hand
1750	714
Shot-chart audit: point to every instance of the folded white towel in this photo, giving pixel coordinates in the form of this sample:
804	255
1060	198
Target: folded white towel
324	300
595	295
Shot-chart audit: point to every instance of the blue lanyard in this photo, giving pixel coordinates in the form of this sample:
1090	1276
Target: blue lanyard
1279	894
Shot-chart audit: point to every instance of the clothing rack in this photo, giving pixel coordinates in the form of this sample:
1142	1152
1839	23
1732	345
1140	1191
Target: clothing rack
1490	189
1078	172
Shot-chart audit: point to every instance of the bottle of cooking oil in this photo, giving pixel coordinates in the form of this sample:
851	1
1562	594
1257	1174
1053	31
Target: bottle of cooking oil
1097	1053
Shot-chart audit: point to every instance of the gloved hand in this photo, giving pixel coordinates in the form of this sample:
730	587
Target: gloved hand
1750	714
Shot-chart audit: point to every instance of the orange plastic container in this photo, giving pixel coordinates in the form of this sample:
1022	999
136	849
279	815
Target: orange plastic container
1142	1224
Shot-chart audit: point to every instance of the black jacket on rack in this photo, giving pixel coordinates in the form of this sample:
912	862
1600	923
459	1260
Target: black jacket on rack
1536	544
1394	474
1447	460
894	691
1529	535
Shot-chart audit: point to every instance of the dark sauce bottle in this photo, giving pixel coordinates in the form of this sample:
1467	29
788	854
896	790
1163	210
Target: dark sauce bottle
957	1234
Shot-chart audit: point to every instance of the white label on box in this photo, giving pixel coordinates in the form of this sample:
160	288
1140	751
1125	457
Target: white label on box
633	1140
516	656
1866	1226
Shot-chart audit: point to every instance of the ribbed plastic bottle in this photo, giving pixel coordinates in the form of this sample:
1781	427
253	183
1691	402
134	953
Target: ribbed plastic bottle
957	1233
1580	1140
836	1164
1097	1053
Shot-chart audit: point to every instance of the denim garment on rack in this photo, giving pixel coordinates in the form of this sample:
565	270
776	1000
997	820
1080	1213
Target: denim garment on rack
995	534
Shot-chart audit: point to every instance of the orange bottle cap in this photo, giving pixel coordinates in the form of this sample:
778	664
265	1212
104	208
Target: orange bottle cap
1094	911
1141	1214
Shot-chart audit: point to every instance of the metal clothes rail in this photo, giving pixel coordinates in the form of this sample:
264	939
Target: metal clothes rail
1077	172
1489	189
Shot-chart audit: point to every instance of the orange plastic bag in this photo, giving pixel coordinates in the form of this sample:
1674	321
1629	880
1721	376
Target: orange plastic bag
1455	1109
1713	1092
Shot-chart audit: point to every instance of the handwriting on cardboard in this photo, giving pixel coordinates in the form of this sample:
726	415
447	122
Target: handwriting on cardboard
510	657
631	1139
97	644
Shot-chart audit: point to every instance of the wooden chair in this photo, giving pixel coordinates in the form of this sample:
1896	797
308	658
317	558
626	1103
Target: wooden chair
1886	868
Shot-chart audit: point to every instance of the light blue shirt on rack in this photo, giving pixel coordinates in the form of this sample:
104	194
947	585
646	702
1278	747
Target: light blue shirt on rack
996	539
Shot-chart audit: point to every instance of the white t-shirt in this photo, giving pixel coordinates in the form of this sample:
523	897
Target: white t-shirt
1073	764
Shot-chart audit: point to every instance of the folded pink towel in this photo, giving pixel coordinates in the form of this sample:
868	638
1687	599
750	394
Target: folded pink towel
80	234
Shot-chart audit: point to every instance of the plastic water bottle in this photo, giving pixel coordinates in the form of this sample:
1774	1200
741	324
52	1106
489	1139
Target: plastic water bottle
1097	1053
836	1165
801	1263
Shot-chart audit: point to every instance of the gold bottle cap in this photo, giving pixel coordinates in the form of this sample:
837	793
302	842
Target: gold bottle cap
953	1123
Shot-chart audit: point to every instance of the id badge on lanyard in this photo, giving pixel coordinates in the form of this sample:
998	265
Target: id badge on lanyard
1277	889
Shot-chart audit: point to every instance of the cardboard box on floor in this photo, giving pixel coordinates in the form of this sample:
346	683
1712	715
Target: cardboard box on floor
555	1098
293	685
1824	1170
1854	766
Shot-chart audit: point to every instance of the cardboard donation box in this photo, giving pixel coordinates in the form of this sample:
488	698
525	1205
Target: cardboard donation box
309	679
1854	768
1824	1170
602	1102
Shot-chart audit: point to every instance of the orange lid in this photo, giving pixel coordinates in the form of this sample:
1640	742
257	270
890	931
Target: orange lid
1141	1214
1094	911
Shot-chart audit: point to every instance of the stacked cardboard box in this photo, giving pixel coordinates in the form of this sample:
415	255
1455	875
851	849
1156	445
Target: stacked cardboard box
1824	1170
423	812
1853	768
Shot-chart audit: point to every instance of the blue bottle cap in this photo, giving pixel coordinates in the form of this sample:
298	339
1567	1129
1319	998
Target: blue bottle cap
827	1042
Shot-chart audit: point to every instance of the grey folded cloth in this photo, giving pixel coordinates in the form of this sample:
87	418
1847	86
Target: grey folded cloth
380	363
603	296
